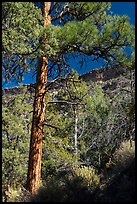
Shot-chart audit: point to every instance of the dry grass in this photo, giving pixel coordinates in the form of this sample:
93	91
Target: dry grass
124	155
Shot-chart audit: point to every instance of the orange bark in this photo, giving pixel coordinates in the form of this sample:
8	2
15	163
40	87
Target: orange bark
35	154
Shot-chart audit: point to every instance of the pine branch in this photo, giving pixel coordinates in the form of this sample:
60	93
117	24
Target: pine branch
50	125
66	102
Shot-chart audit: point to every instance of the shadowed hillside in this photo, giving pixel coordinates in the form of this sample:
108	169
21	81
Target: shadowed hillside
97	75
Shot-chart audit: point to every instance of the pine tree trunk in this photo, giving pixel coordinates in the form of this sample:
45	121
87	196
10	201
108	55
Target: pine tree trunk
35	154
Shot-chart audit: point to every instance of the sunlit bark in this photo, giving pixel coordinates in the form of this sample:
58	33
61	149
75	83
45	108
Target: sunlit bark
35	154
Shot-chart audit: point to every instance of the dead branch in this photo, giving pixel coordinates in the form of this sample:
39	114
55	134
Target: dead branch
65	102
50	125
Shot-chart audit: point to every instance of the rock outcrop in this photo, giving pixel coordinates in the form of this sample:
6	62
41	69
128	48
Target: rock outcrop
96	75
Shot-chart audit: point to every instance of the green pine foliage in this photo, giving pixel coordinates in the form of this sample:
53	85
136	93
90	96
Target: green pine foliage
16	121
88	29
21	27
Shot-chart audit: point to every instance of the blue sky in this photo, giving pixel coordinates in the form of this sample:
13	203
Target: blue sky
120	8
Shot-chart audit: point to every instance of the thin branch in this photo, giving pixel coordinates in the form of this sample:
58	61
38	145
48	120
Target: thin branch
50	125
82	130
65	102
63	12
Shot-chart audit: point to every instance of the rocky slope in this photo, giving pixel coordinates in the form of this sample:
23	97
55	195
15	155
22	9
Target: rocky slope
101	75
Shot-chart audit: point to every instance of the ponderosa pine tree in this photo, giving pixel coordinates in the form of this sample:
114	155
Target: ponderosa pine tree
35	155
75	28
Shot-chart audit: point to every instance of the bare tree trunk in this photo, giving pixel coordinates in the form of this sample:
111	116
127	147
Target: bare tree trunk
35	154
76	131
